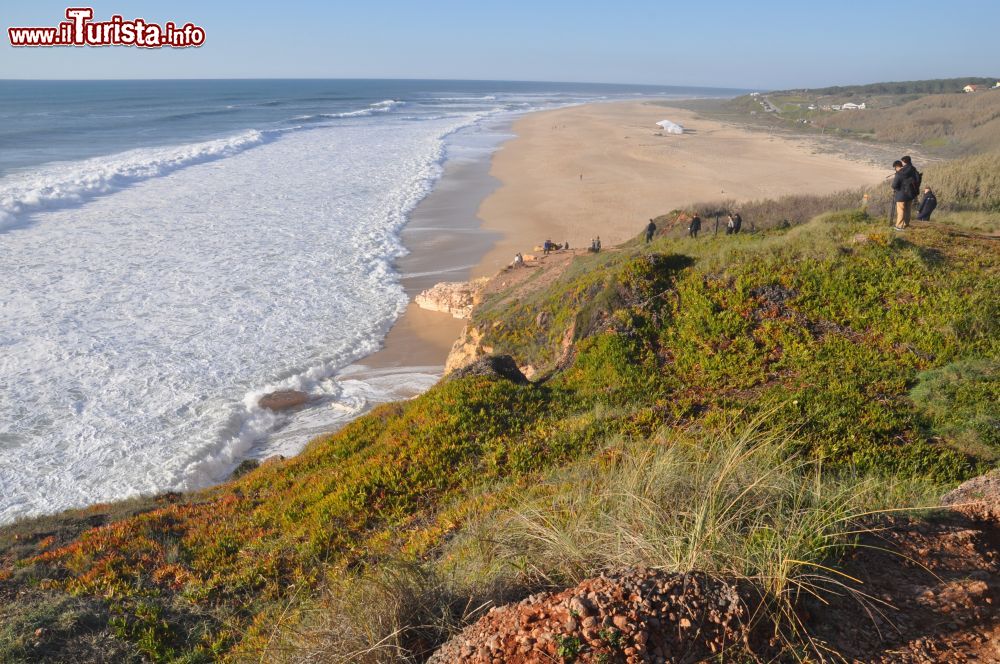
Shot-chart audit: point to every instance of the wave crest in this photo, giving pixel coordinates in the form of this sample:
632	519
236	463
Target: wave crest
71	183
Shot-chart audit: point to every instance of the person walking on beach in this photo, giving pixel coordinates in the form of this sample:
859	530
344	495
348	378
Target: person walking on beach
927	205
650	231
904	187
694	226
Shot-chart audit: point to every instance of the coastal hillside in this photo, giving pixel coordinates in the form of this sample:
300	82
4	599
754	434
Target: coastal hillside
935	118
747	408
951	124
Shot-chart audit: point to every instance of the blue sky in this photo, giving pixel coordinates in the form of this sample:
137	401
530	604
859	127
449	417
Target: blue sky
766	44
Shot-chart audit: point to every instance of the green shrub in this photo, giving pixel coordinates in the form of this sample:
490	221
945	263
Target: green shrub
961	402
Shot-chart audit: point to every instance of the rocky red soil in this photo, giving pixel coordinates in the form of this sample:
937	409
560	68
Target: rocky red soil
914	591
632	616
931	587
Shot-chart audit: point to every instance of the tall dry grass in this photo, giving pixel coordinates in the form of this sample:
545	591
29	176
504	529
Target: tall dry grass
737	505
395	612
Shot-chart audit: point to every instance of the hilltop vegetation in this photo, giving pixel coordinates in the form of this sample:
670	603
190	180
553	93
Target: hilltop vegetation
934	86
836	358
933	117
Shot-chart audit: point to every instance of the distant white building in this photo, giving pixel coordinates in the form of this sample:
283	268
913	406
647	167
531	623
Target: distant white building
852	107
997	85
757	94
835	107
972	87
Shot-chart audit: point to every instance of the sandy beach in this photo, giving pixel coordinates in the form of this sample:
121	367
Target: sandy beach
573	173
606	169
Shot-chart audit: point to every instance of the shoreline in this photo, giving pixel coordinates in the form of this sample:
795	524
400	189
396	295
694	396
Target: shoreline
445	241
529	189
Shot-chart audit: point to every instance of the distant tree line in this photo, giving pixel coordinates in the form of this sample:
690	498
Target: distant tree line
928	87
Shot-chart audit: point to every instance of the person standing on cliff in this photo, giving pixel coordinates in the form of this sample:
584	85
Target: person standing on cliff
694	226
650	231
905	188
918	177
927	205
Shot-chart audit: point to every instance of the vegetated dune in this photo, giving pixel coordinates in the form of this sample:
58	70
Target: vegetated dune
735	407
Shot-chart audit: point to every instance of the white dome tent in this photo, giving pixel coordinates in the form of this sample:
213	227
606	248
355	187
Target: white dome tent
670	127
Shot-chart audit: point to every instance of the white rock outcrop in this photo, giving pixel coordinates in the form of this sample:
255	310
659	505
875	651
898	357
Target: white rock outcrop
452	297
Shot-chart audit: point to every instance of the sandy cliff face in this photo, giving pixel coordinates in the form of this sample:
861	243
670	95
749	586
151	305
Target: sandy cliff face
458	298
467	349
452	297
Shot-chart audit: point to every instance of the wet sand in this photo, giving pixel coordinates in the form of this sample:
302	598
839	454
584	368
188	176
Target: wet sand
446	242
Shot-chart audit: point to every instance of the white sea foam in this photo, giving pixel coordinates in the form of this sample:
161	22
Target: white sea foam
62	184
140	328
151	297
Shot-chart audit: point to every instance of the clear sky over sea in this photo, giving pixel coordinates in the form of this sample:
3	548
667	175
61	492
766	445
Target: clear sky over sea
735	43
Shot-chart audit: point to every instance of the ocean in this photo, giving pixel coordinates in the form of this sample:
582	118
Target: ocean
170	251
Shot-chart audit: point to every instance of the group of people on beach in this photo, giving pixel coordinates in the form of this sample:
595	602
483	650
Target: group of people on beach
549	246
906	189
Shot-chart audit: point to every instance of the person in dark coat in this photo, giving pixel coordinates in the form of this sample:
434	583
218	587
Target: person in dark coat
650	230
694	226
918	177
927	205
904	187
737	222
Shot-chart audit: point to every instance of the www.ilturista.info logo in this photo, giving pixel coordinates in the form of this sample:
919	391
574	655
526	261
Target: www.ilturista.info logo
80	30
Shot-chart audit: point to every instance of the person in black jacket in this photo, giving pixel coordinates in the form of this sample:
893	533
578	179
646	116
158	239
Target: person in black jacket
927	205
918	177
904	187
737	223
650	230
694	226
